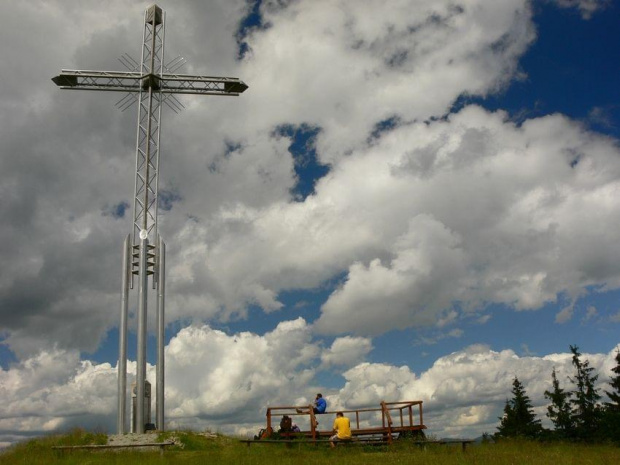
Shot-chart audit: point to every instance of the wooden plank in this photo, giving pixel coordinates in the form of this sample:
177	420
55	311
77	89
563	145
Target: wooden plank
290	443
462	442
114	446
161	445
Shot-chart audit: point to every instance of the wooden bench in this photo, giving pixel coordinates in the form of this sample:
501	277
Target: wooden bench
356	442
290	443
161	445
442	442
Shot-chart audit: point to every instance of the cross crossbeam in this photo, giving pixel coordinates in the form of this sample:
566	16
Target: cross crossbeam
150	83
166	83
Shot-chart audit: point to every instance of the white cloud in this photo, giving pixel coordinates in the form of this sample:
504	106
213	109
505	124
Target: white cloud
434	339
479	211
591	312
234	236
466	208
346	351
565	315
469	208
225	382
423	52
212	375
213	380
464	392
53	391
586	7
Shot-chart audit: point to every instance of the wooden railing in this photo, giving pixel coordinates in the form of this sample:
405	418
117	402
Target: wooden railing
396	417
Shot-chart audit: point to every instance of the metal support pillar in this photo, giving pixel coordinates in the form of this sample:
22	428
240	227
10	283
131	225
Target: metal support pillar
122	340
142	318
161	325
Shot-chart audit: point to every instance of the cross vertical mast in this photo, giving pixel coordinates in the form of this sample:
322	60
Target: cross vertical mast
149	117
145	194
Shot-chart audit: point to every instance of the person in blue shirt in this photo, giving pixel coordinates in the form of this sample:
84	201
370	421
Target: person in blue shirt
319	404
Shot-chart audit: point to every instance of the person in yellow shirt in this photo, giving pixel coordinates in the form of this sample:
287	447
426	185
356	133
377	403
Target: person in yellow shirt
342	429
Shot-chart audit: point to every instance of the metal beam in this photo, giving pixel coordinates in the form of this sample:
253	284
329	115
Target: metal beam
142	322
161	326
122	339
131	81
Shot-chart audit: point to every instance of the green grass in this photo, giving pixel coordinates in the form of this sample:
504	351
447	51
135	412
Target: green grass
198	449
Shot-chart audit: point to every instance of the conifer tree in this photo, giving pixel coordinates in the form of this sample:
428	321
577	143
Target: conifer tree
559	412
610	423
519	420
586	411
614	395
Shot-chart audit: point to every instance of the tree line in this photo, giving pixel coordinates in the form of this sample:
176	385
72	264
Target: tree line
576	415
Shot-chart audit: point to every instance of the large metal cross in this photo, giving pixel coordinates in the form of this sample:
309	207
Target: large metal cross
151	84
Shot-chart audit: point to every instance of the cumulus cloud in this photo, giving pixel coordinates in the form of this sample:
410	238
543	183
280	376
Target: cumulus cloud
214	380
501	225
418	214
213	376
225	382
426	214
346	351
225	160
423	52
464	392
54	391
470	209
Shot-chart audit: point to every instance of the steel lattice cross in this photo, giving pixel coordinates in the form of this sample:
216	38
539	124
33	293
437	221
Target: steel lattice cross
150	83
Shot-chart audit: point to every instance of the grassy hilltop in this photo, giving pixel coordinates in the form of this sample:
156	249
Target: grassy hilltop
198	449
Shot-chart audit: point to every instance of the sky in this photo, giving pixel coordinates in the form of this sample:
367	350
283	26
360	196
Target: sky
418	202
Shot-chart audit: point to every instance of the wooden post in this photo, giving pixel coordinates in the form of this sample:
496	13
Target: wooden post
386	415
421	418
269	428
389	427
312	421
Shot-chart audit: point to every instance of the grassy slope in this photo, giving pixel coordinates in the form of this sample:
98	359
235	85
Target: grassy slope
223	450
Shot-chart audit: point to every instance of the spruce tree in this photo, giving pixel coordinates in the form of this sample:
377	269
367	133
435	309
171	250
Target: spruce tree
614	395
586	411
610	423
519	420
559	412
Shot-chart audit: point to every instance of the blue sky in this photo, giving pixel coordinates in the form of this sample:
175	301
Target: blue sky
402	201
568	68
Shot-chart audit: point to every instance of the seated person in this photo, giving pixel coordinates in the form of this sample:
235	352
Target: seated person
320	405
342	429
286	424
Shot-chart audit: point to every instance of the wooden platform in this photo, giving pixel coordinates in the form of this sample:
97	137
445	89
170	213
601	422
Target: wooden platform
381	423
356	442
316	442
